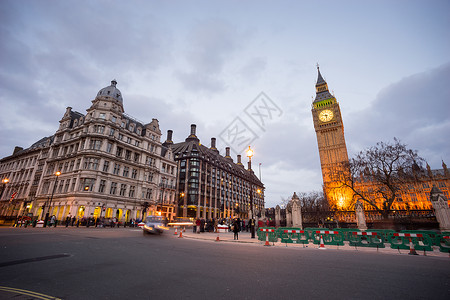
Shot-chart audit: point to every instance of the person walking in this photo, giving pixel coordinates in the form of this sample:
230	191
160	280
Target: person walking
236	228
198	223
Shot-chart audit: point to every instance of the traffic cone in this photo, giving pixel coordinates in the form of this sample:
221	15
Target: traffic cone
176	231
181	234
267	239
412	251
217	238
322	245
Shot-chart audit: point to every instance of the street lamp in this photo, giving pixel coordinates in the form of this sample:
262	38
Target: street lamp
249	154
252	221
51	198
4	183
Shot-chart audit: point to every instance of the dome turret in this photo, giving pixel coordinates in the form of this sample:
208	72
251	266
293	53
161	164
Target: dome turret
111	91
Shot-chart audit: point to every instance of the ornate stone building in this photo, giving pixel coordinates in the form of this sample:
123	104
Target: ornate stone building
101	164
211	185
329	129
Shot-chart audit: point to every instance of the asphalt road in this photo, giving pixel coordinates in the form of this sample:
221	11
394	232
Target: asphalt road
100	263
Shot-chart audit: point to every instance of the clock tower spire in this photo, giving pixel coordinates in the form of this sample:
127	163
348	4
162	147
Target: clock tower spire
330	140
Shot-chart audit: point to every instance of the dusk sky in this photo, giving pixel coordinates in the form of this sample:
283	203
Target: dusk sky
205	62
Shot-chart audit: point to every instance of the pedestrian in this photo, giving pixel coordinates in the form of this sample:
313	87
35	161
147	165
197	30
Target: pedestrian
52	220
198	223
236	228
216	223
73	220
202	225
68	218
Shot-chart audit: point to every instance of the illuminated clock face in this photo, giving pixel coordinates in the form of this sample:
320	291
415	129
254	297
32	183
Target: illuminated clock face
326	115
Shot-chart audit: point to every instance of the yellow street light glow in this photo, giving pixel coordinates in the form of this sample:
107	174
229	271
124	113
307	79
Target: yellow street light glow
58	173
258	191
5	181
249	152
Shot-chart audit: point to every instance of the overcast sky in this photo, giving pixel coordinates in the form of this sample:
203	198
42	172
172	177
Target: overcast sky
207	63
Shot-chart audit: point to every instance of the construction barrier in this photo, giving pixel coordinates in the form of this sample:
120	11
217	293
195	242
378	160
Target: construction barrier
330	237
311	233
269	233
434	236
293	236
402	241
346	232
365	239
444	242
383	233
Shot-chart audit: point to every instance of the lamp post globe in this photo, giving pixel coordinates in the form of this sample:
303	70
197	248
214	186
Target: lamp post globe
4	183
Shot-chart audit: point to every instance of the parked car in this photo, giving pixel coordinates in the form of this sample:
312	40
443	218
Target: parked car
155	225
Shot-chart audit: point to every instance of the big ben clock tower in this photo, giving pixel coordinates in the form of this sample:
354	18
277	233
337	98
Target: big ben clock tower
330	139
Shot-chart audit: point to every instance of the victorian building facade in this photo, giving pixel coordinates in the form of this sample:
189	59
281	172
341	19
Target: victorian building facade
211	185
103	163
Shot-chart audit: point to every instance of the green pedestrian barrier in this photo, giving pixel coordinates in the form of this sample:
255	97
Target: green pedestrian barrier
383	233
330	237
293	236
270	232
444	242
311	234
346	232
365	239
434	236
419	241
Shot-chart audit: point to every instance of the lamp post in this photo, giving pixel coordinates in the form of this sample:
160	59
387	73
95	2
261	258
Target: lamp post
252	220
4	183
51	198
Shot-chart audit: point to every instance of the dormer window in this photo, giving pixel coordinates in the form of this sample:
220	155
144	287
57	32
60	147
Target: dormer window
109	92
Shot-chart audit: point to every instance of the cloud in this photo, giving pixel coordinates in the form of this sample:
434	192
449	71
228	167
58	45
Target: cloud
210	45
414	109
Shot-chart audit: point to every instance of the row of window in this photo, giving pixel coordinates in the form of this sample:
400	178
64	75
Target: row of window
19	164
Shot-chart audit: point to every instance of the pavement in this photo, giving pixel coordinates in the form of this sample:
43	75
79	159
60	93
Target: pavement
245	237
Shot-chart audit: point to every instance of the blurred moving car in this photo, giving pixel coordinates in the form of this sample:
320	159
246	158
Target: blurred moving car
180	221
155	225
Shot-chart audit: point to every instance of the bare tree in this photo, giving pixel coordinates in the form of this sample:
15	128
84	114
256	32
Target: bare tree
312	201
378	175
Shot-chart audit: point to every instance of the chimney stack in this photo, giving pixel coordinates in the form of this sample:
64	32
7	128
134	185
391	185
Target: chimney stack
192	136
239	160
213	143
169	136
193	129
227	152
